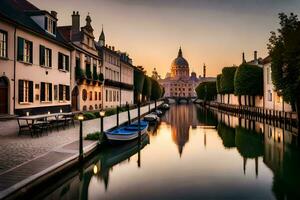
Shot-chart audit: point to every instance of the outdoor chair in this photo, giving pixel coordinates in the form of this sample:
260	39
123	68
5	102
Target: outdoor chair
23	126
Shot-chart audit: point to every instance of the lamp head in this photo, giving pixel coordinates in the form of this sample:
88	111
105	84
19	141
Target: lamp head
80	117
102	113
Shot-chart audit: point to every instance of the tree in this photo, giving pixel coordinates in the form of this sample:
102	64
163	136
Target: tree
284	49
156	91
207	91
227	80
147	88
248	81
139	78
218	85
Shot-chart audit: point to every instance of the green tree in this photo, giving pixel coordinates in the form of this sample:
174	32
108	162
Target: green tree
284	49
248	81
227	80
207	91
219	88
156	91
147	88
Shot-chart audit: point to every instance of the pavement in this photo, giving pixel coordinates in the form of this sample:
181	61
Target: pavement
24	159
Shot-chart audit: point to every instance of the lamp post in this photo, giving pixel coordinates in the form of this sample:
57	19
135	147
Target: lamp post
102	114
80	118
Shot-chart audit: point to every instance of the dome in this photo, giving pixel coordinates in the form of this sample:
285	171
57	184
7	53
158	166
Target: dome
180	61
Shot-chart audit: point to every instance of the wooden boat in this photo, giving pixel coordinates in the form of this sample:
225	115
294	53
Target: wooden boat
127	133
165	106
152	117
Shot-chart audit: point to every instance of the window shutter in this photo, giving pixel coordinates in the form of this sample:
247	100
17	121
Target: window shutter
31	54
20	49
42	91
31	91
67	63
54	27
50	57
60	59
68	93
46	23
21	91
60	95
42	55
50	92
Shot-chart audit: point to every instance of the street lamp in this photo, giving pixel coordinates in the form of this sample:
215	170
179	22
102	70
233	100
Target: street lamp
102	114
80	118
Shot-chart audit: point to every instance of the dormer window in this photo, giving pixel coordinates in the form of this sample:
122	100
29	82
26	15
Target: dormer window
50	25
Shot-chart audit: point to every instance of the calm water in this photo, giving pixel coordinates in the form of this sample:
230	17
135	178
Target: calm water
193	154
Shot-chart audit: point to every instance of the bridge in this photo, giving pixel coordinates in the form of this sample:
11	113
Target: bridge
180	100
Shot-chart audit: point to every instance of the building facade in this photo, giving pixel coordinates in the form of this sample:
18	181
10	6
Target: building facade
34	59
86	76
271	98
118	75
179	83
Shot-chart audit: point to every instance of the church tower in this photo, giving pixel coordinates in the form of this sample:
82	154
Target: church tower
101	40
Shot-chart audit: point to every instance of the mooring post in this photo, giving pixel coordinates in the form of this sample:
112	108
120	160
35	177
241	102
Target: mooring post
139	119
128	113
117	116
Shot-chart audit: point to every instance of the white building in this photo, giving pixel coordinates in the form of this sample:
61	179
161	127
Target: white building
179	83
34	60
86	85
118	75
271	98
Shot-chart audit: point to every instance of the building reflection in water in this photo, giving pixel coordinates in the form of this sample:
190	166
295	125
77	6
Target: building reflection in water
181	118
277	147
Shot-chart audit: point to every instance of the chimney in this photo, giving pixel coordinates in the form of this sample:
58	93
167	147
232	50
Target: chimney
255	55
54	14
75	22
204	71
243	58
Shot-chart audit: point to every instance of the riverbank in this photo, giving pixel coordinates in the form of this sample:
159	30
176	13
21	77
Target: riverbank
288	120
27	175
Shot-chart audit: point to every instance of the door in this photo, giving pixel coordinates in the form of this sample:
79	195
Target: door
3	96
74	100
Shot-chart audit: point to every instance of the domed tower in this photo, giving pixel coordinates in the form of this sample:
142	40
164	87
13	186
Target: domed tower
179	66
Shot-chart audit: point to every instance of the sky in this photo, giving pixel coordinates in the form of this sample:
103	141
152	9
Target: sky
214	32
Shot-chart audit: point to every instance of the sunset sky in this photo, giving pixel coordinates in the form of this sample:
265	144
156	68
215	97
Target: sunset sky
214	32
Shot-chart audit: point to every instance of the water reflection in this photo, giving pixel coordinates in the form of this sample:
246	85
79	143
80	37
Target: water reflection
194	154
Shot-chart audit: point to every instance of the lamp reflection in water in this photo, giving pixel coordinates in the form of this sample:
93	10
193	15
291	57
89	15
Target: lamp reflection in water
80	118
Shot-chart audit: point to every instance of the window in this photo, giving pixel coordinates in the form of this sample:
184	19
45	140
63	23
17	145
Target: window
117	95
55	92
63	62
24	50
25	91
96	95
268	75
106	95
110	96
64	93
269	95
114	96
3	44
45	56
46	92
50	25
91	96
99	95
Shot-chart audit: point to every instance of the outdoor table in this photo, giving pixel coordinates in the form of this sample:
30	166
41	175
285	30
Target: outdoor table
34	118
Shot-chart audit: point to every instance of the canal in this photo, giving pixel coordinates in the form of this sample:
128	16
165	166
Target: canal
194	153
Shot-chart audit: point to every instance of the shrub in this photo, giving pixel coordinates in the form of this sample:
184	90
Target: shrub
227	80
79	74
156	91
206	91
218	84
139	78
147	87
93	136
89	115
248	80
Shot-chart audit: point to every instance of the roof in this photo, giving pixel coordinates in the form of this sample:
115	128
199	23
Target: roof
18	12
180	61
267	60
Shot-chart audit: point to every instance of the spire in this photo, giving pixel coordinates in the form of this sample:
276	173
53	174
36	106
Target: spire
180	52
102	38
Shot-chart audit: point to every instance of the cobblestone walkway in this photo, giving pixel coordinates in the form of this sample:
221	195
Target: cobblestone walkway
15	149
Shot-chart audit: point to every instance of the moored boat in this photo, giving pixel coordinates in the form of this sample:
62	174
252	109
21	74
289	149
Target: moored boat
127	133
152	117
